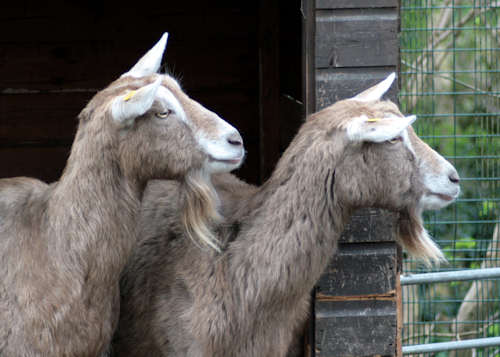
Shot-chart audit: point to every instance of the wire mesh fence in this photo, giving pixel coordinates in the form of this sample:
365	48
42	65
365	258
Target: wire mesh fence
450	78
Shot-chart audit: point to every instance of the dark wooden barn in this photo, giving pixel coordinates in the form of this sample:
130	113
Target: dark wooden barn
56	55
261	65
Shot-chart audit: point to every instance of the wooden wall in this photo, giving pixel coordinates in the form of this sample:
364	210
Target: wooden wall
355	310
55	55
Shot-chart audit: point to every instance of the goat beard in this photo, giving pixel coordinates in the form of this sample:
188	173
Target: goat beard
200	210
415	239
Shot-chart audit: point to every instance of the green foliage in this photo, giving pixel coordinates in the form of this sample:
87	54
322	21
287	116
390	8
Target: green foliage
494	330
450	78
463	124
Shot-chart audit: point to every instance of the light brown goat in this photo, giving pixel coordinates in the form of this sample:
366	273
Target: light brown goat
64	245
249	300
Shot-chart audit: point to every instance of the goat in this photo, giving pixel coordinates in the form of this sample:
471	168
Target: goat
63	246
250	299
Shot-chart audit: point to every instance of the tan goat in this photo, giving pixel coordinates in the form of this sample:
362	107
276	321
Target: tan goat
250	299
64	245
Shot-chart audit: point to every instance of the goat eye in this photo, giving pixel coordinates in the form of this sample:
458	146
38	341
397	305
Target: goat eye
164	115
395	140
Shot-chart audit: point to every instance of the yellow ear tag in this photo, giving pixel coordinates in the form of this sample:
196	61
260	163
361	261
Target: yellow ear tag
129	95
373	120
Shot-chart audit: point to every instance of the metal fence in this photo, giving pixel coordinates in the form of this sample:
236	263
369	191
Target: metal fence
450	78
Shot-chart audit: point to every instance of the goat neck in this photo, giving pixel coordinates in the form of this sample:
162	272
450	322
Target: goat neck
95	188
294	216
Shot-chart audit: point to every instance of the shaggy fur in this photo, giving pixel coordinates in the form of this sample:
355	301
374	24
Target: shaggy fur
250	300
63	246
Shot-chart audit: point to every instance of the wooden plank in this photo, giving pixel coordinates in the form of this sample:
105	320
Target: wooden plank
76	22
110	9
356	38
55	65
355	328
45	163
355	313
333	85
399	309
92	65
40	116
360	269
370	225
354	4
308	56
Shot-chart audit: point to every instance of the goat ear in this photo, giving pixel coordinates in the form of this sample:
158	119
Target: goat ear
377	130
125	108
149	63
377	91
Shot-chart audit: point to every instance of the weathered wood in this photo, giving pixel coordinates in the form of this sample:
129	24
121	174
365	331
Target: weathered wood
389	296
354	4
355	314
356	38
308	55
360	269
355	328
336	84
370	225
399	310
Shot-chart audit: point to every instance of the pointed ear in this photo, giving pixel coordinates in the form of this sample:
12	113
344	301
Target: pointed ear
377	91
149	63
125	108
377	130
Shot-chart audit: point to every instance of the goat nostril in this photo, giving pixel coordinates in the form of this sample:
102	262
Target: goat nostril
454	178
235	140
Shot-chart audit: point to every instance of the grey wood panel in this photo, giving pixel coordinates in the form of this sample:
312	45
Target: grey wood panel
355	306
356	38
360	269
354	4
370	225
333	85
355	328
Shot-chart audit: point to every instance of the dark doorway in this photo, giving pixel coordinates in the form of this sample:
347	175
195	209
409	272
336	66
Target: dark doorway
239	59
